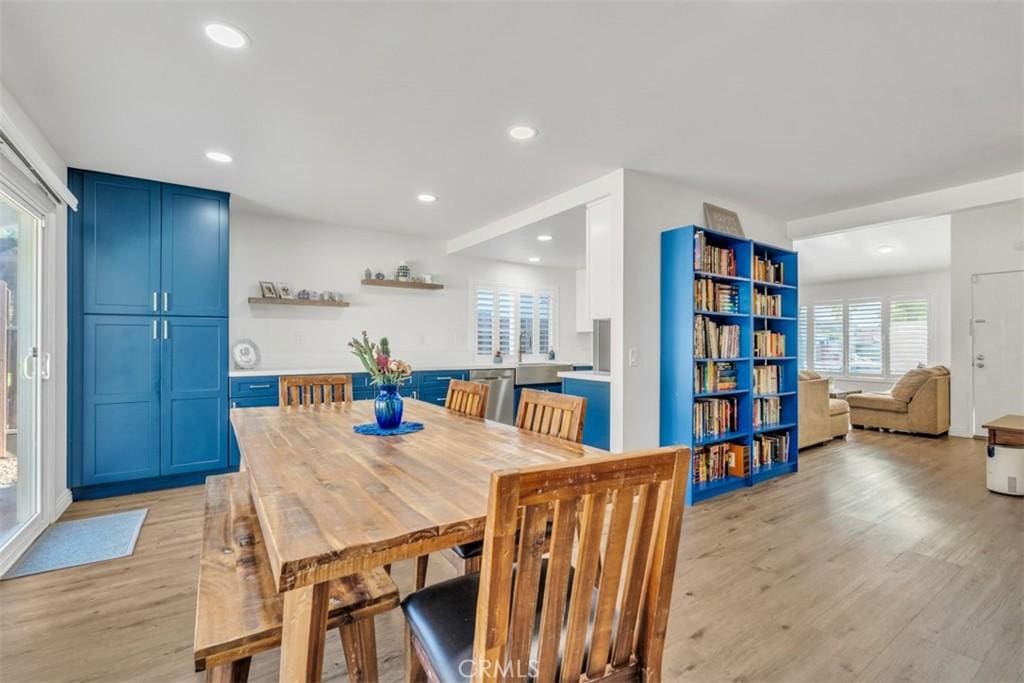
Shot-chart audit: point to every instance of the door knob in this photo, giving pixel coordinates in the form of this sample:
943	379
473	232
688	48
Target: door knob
981	357
979	365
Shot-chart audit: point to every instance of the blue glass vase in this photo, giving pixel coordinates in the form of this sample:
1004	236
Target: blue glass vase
387	407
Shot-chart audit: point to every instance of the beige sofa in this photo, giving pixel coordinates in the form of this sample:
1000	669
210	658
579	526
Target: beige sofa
917	403
821	418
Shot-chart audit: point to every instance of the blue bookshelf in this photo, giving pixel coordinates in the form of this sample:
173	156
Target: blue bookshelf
761	307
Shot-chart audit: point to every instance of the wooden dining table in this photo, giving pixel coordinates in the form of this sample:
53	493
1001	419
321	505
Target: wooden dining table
332	502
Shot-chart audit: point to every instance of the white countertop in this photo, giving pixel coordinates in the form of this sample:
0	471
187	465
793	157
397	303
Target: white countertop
587	376
353	369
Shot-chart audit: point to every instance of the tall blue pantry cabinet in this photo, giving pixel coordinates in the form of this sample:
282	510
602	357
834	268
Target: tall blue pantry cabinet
147	335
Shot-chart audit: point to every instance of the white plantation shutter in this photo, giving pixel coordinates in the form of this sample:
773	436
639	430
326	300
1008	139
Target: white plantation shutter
506	322
526	322
828	337
908	334
864	323
484	322
801	351
544	314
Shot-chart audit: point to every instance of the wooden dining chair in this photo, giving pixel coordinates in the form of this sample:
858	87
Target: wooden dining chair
466	398
595	607
313	390
546	412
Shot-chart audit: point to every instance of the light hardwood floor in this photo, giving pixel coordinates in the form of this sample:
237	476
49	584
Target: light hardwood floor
884	558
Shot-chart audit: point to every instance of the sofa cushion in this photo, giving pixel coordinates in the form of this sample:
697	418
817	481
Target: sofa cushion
808	374
910	382
837	406
883	402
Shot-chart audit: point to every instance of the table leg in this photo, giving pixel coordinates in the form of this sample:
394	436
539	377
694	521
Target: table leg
302	641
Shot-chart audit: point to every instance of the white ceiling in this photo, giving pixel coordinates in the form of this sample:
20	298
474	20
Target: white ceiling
567	248
343	112
917	246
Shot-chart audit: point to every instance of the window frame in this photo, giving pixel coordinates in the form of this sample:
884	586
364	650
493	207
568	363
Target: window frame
516	291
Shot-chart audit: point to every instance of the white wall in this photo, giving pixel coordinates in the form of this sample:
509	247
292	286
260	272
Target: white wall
56	495
934	284
653	204
983	241
424	327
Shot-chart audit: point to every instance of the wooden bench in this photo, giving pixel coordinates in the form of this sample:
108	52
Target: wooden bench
238	610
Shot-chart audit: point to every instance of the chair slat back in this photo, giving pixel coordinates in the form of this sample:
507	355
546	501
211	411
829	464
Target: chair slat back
558	415
314	390
608	574
467	398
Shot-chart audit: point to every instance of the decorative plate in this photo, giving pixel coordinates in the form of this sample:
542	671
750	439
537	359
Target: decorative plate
246	354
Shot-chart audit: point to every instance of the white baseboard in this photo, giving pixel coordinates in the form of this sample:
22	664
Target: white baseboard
962	432
63	501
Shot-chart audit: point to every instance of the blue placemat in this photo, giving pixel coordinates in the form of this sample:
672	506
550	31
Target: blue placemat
371	429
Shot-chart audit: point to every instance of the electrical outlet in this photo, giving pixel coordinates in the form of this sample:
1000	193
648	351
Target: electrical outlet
634	358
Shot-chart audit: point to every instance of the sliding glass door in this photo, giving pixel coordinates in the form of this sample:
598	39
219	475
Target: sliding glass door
20	368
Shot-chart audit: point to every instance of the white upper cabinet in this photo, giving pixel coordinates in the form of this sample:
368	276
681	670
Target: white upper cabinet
599	259
583	320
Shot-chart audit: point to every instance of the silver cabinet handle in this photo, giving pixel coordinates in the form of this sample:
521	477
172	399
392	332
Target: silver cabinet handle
259	386
440	378
166	308
154	303
154	329
165	329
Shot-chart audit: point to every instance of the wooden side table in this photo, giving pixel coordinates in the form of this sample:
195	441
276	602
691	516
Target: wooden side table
1006	431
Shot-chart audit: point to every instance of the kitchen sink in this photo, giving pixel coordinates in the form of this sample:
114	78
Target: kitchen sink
540	373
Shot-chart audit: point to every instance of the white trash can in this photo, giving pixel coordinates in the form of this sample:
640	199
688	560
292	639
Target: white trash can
1004	469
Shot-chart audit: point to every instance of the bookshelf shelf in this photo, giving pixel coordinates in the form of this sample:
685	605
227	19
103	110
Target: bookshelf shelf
744	281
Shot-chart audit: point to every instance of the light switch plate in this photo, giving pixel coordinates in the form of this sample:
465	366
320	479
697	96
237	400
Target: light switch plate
634	358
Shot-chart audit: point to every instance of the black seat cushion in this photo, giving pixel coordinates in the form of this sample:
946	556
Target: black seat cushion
443	619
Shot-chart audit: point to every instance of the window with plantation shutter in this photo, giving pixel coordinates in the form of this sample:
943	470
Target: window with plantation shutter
801	351
828	337
864	338
908	334
510	320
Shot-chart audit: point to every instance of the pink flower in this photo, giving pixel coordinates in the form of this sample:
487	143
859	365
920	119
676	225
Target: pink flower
382	362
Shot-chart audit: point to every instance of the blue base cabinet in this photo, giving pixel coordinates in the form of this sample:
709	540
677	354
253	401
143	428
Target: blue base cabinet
597	422
147	335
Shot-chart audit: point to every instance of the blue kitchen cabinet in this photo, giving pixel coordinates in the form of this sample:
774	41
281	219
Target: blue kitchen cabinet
120	245
194	252
597	422
193	394
249	392
120	404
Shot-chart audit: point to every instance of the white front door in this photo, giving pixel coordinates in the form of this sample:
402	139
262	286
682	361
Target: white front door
997	315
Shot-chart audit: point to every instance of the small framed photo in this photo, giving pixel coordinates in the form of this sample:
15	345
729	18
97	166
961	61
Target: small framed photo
723	220
284	290
268	290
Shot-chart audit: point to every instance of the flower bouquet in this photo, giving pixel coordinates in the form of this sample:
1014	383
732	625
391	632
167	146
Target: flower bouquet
386	372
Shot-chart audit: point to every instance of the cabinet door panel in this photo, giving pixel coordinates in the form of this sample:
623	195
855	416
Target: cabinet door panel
120	244
194	271
120	399
194	395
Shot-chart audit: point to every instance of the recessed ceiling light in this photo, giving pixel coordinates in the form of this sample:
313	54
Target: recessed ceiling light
543	238
426	198
884	249
534	259
522	132
219	157
226	35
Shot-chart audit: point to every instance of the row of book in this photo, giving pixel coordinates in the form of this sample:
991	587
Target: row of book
769	344
767	304
714	377
709	259
766	270
719	461
767	411
770	449
712	340
709	295
715	416
766	379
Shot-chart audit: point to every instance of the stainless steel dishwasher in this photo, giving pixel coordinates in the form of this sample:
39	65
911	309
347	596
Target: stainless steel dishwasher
501	393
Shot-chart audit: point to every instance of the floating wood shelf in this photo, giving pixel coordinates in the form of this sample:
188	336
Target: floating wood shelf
298	302
402	285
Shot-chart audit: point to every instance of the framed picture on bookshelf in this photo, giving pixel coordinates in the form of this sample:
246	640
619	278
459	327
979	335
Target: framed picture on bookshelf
723	220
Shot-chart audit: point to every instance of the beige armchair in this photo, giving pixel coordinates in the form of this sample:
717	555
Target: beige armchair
821	418
918	403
